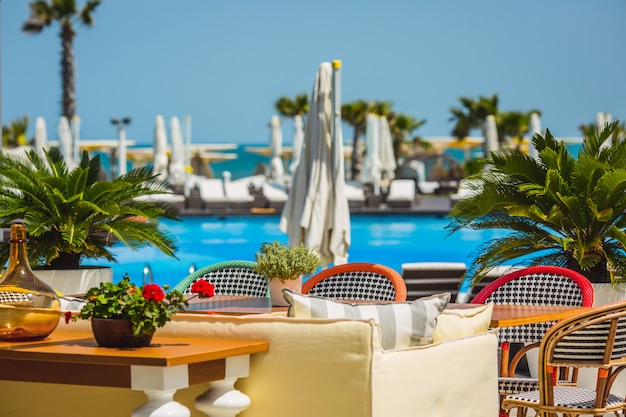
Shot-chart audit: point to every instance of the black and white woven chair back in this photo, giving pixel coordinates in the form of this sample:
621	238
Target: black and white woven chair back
537	286
237	278
357	281
355	285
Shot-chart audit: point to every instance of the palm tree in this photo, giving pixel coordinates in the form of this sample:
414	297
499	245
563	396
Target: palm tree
287	107
355	114
43	13
472	115
402	127
71	214
559	210
514	126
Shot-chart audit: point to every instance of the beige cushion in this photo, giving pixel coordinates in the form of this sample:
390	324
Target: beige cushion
401	324
457	323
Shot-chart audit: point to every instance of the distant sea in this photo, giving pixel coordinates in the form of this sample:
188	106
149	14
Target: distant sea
246	162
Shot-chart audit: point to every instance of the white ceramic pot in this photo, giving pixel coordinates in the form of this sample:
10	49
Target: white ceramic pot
276	288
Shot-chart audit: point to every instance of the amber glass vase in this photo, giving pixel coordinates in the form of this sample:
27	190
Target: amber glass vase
29	308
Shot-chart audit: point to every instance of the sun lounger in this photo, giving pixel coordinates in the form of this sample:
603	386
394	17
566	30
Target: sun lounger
401	193
275	194
238	194
177	200
212	193
355	194
427	278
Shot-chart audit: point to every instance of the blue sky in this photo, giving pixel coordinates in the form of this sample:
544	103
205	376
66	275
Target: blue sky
225	63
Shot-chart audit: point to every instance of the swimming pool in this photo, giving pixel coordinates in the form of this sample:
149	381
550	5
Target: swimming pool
388	239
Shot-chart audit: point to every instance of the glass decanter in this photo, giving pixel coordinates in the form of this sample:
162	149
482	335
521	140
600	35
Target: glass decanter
29	308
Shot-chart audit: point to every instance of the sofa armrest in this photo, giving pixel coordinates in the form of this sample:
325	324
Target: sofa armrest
457	377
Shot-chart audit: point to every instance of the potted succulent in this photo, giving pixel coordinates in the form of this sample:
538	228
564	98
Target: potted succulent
558	210
284	267
73	215
125	315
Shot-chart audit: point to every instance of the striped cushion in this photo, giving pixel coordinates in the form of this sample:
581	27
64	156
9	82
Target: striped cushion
401	324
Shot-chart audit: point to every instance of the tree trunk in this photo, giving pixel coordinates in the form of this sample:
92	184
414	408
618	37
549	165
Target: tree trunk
68	101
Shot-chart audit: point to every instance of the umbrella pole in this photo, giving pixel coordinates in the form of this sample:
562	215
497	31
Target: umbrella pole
336	106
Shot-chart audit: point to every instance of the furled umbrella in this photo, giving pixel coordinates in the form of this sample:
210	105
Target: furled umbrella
159	164
296	147
177	159
387	156
316	213
276	169
535	128
491	135
75	129
65	142
41	136
372	165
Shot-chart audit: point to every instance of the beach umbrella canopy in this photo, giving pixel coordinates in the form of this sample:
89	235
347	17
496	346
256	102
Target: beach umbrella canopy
276	169
65	142
296	147
41	136
316	213
177	159
159	164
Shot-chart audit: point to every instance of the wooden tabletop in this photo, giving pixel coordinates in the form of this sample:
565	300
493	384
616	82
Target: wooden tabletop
77	359
517	315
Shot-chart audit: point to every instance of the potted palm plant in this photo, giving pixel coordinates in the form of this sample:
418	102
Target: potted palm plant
73	215
284	267
558	209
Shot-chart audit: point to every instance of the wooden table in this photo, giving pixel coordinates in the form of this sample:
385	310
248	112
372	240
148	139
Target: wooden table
167	365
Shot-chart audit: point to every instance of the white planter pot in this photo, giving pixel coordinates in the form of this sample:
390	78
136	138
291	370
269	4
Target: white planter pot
276	287
75	281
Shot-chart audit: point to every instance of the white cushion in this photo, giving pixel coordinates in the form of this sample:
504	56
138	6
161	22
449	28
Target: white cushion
462	322
401	324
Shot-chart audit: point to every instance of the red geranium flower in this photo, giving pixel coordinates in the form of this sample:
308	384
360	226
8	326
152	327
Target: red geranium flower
203	288
153	292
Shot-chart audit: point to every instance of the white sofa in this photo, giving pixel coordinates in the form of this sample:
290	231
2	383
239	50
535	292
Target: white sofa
314	367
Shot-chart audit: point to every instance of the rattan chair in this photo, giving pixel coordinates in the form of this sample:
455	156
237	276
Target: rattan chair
593	339
537	285
357	281
229	278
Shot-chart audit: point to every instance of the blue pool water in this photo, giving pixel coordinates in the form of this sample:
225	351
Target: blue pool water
389	239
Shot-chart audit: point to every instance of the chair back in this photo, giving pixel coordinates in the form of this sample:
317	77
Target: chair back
238	278
357	281
536	285
593	339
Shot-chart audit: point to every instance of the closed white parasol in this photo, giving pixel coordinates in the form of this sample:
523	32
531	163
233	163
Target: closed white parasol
316	213
159	164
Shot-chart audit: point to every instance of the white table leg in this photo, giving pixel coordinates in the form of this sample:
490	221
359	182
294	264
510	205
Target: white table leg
222	399
160	385
161	404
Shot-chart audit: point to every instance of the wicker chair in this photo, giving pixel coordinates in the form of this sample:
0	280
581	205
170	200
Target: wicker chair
229	278
357	281
537	285
593	339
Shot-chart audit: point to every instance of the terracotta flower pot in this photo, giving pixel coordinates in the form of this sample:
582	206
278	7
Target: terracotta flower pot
117	333
276	288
